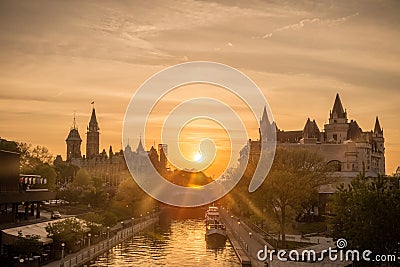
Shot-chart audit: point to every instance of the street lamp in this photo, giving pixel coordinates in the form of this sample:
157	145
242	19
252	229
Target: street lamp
122	230
21	261
250	234
133	219
89	235
62	250
62	253
108	236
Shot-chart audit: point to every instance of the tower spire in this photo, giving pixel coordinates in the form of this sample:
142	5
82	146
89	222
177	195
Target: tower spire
74	123
92	137
377	128
140	146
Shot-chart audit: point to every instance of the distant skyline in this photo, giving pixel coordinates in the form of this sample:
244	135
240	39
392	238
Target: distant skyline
57	57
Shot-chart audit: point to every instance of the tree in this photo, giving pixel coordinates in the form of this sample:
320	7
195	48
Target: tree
294	179
48	172
94	221
131	200
67	231
367	214
70	193
33	157
82	178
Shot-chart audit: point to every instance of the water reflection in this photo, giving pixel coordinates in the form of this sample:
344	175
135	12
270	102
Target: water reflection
177	243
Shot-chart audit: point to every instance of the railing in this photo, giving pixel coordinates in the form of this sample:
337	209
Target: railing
95	250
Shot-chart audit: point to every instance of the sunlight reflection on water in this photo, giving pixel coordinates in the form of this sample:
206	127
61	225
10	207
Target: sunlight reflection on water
180	244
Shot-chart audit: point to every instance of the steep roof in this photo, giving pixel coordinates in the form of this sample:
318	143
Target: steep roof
140	146
311	130
74	135
93	124
354	131
337	110
377	128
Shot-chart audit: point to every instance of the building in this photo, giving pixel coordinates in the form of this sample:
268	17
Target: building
342	142
110	167
20	195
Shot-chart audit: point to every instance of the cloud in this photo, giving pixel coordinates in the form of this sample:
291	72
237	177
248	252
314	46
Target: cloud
302	23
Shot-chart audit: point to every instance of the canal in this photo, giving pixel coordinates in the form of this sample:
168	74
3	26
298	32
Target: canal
173	242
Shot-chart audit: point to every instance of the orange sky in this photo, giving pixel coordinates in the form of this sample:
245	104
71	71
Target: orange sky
57	57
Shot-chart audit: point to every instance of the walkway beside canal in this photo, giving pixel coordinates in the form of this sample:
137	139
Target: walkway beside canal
248	242
85	255
246	245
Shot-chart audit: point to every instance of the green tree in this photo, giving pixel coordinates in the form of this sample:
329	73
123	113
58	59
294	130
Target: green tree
67	231
94	221
71	193
33	157
291	185
294	179
48	172
82	178
367	214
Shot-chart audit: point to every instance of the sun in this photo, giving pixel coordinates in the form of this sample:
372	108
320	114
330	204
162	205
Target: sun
197	157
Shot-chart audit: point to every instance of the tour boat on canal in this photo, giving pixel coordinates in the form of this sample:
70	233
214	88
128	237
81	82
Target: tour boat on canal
215	229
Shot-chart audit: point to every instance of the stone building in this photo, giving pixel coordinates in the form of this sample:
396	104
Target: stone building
110	167
343	144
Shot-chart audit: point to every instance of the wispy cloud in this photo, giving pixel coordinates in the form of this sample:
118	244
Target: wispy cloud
302	23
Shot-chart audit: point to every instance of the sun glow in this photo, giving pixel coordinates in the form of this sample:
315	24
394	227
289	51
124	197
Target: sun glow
197	157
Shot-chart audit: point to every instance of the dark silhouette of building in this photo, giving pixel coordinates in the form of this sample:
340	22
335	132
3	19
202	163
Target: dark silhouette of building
19	198
92	137
73	143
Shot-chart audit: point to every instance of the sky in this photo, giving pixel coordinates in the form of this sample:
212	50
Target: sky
56	57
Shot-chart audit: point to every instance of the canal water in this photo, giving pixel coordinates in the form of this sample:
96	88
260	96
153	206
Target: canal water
175	242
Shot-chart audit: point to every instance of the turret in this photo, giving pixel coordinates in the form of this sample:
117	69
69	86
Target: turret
73	142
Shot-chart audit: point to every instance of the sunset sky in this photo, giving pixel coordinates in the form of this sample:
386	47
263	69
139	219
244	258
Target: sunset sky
56	57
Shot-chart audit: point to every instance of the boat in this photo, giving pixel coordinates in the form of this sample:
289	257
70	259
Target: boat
212	214
215	229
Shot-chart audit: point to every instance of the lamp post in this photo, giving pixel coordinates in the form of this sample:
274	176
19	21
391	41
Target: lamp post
250	234
108	236
133	219
62	253
62	250
89	235
21	262
122	230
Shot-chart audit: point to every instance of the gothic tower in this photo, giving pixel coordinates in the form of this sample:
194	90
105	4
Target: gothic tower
73	143
378	137
92	138
337	128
